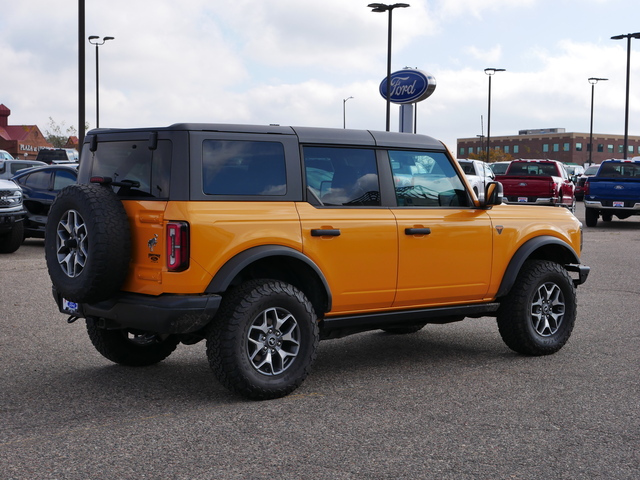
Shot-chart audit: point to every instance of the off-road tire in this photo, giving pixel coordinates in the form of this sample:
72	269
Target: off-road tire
242	330
10	242
87	243
591	217
537	316
133	350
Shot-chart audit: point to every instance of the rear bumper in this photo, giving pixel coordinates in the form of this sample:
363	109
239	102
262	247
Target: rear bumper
161	314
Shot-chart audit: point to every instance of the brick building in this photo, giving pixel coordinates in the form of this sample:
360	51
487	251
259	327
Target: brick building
556	144
21	141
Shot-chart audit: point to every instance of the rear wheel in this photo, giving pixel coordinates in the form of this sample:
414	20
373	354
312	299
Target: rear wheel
538	315
591	217
134	349
263	340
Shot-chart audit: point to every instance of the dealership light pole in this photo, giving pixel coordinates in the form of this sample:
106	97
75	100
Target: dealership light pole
491	72
381	8
344	111
96	41
628	36
593	81
81	75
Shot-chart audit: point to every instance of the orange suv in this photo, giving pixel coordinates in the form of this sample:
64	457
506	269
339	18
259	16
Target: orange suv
262	240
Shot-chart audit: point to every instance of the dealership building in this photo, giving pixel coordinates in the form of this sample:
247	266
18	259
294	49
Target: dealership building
24	141
554	143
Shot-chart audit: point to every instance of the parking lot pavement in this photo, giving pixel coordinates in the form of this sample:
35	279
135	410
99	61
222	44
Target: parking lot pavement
450	402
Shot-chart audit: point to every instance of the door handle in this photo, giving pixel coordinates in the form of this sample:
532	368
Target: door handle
325	232
417	231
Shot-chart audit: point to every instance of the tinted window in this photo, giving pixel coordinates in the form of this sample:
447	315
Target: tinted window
342	176
62	179
426	179
243	168
146	171
37	180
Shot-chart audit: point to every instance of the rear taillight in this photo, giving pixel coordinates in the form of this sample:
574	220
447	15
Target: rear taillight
177	246
586	187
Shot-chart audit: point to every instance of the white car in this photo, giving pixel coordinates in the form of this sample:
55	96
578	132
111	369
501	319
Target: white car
478	173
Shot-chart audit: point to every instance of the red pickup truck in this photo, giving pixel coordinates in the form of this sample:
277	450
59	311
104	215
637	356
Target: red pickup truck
538	182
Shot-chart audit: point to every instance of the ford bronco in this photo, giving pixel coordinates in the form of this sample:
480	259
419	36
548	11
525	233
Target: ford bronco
262	240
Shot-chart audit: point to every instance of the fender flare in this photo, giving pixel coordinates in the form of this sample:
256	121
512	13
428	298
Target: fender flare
223	278
524	252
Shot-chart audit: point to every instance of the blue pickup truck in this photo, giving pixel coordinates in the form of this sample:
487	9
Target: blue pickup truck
614	190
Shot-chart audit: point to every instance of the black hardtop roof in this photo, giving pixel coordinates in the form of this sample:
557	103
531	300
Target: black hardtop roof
305	134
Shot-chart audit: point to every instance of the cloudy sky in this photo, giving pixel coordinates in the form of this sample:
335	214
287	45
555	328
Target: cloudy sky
293	62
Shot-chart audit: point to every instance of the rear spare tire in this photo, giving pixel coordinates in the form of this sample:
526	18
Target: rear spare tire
87	243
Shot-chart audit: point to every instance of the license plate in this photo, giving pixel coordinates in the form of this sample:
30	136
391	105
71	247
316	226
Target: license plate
523	199
618	204
69	307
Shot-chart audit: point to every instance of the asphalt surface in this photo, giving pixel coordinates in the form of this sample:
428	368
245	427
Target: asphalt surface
450	402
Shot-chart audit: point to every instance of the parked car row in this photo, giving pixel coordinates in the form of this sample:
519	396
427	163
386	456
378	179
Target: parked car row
26	196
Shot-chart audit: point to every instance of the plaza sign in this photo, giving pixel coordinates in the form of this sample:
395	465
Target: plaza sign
409	86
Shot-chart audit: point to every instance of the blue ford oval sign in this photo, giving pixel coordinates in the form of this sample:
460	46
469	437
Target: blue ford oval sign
409	86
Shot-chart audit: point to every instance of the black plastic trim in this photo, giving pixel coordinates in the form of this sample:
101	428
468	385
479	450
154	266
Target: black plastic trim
235	265
524	252
158	314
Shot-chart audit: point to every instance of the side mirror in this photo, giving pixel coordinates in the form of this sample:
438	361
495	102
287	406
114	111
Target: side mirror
493	194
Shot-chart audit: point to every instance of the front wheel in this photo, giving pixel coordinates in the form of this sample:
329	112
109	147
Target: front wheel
263	340
133	349
538	315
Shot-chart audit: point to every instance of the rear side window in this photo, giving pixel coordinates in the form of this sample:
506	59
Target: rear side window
145	172
241	167
342	176
426	179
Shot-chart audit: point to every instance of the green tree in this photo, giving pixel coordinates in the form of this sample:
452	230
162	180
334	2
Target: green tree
57	134
494	156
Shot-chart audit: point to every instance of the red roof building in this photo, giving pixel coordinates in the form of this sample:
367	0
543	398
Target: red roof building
21	141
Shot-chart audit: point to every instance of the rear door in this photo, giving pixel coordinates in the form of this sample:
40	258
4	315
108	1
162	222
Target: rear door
346	231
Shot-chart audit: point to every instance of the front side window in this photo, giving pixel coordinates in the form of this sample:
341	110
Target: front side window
241	167
426	179
341	176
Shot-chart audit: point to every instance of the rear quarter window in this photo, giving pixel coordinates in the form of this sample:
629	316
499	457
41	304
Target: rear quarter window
243	167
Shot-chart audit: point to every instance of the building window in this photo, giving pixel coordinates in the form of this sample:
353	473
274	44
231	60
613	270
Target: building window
630	147
461	151
600	147
479	150
516	149
556	147
545	147
610	148
578	147
620	148
565	147
470	150
506	149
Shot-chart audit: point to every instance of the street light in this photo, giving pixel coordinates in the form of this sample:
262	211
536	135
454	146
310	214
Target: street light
344	111
628	36
381	8
593	81
491	72
96	41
